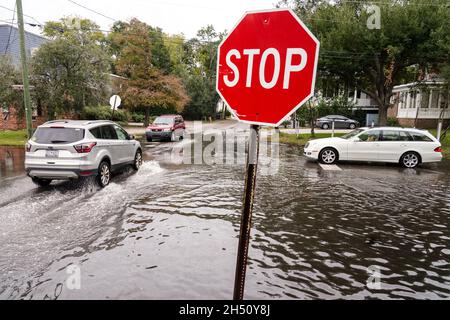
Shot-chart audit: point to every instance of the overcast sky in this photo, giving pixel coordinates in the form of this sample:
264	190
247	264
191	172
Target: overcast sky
173	16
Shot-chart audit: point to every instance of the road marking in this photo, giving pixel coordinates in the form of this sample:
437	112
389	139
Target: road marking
330	167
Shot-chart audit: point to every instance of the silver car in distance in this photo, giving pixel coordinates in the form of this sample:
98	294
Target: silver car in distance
69	149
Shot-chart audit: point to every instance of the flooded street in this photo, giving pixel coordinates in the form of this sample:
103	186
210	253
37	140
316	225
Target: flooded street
170	232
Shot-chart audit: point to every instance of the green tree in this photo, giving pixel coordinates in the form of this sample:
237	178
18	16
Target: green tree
147	87
9	76
375	60
70	71
175	49
160	53
195	61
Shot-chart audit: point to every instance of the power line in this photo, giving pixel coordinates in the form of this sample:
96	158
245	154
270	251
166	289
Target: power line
13	10
332	53
324	53
390	3
109	31
13	23
10	29
348	55
8	22
92	10
6	8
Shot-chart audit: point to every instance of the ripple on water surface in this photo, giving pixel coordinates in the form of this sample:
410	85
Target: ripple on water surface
171	233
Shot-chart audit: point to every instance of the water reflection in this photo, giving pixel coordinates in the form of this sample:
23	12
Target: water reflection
11	161
170	232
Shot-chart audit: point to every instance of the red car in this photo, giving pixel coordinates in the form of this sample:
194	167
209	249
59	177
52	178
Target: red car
166	127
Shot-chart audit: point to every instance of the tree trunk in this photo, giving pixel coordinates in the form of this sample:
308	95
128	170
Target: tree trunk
146	117
383	110
382	115
382	100
50	112
311	114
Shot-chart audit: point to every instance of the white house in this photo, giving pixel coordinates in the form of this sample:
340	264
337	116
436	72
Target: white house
365	106
420	104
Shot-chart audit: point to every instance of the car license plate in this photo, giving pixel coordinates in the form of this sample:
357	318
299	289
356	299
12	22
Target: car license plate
51	154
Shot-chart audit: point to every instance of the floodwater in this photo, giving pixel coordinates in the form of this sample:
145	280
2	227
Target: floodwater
170	232
11	161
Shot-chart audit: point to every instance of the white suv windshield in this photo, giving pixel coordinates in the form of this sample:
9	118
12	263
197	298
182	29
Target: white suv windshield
58	135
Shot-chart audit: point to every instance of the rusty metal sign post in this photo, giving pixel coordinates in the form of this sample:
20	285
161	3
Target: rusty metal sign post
246	218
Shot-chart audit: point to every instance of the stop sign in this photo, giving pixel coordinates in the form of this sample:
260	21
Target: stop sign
267	66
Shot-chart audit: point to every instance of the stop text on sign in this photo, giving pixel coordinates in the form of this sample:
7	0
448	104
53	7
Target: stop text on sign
266	66
289	66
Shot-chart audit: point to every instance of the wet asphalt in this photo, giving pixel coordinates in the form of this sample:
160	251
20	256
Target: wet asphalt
170	231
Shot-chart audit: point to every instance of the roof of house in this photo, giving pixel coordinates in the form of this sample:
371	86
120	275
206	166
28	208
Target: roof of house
417	84
9	42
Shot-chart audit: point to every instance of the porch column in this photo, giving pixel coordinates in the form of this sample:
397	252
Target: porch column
430	98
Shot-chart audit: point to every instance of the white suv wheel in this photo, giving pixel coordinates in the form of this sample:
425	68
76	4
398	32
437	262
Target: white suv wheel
104	174
137	160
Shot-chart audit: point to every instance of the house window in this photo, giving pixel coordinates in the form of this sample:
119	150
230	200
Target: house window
412	99
408	99
425	99
434	99
358	94
441	100
33	51
401	100
394	98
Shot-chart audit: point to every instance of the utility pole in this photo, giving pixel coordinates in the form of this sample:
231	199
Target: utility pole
23	58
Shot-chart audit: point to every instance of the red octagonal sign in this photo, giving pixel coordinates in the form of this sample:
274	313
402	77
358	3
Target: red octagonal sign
267	66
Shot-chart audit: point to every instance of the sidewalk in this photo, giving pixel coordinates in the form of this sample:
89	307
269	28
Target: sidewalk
308	130
138	128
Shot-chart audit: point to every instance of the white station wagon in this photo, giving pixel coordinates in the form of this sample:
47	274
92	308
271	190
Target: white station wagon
407	146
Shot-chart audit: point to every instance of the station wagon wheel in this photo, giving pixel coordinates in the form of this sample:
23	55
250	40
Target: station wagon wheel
104	174
328	156
410	160
137	160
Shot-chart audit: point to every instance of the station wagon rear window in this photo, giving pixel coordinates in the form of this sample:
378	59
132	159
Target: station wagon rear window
58	135
420	137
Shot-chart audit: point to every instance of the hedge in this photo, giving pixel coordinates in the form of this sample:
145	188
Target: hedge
105	113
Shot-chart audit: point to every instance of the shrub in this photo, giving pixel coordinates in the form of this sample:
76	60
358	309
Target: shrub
338	105
137	117
286	123
392	122
105	113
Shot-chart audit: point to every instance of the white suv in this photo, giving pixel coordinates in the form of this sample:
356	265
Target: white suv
68	149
